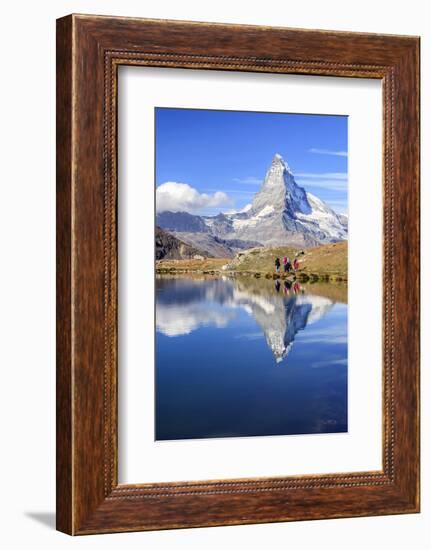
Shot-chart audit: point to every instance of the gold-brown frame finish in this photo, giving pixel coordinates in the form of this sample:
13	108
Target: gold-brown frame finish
89	51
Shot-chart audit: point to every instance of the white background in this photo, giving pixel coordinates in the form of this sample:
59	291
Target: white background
141	458
27	125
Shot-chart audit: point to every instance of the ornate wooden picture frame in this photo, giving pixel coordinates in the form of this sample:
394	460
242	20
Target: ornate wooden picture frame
89	51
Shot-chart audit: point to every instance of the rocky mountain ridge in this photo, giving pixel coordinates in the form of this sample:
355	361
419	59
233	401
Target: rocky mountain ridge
168	247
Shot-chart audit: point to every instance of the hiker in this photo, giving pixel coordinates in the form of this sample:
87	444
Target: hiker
295	264
286	288
277	264
287	264
296	288
277	285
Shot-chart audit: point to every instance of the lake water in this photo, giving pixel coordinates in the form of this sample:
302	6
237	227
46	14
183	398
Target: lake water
249	357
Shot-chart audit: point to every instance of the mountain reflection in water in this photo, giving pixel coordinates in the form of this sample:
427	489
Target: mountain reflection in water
280	308
249	357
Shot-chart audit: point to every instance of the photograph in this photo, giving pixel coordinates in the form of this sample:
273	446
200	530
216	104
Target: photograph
213	316
251	262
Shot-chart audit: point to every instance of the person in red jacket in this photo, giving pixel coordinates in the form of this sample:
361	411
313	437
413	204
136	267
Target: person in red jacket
295	264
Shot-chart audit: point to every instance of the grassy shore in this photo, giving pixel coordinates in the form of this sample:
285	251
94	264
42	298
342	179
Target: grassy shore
323	263
192	265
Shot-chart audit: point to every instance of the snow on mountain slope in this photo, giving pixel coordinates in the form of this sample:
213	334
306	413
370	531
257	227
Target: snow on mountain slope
324	219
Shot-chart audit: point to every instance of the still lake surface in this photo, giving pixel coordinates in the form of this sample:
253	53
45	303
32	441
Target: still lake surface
249	357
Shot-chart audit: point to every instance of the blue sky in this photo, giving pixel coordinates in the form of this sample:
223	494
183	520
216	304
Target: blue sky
221	157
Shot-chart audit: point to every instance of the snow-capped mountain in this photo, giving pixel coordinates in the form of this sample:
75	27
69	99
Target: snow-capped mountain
281	213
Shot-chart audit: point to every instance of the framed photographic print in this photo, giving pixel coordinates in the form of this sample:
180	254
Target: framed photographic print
237	274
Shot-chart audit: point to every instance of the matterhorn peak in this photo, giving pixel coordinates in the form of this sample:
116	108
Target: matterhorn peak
278	160
280	191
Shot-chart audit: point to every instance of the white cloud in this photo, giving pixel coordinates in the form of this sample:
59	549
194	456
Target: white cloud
330	363
181	197
332	185
250	336
238	191
324	175
252	180
334	181
246	208
328	152
339	202
177	320
326	335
